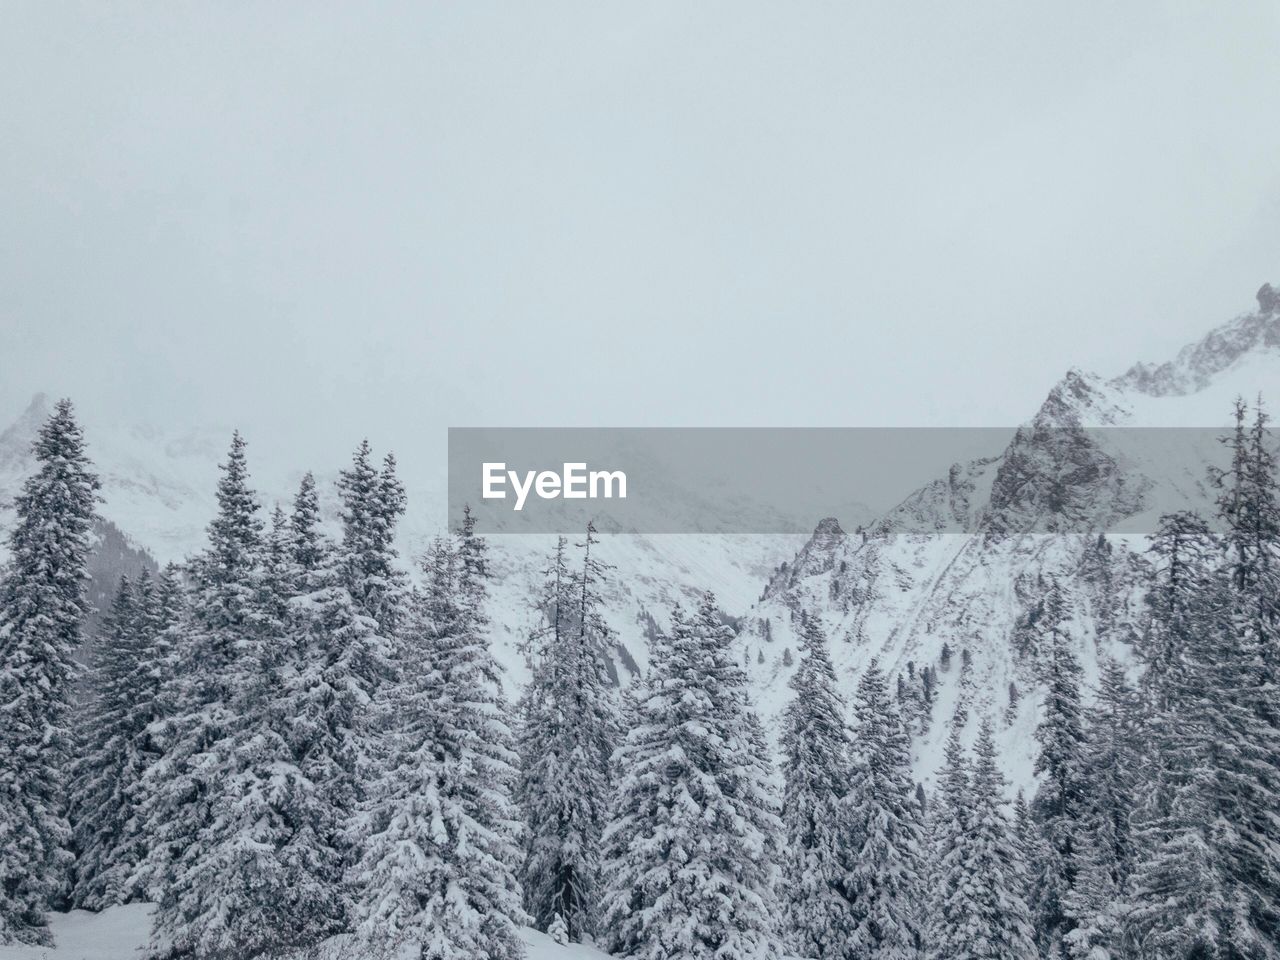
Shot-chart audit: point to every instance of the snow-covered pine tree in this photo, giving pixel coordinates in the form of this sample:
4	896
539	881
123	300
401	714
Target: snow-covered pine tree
886	890
97	814
360	611
1059	802
1111	760
265	881
339	627
152	685
343	658
982	912
1045	620
1174	904
1245	752
569	730
634	803
993	857
372	503
323	715
1092	904
915	697
817	750
928	694
952	912
692	840
42	612
129	664
188	787
436	879
1030	842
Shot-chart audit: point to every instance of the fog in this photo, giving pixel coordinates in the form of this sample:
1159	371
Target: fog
319	222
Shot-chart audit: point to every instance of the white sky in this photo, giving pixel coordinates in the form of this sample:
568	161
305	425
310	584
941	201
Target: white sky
324	221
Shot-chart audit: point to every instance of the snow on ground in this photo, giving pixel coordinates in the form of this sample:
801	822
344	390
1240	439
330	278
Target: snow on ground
115	934
542	947
121	932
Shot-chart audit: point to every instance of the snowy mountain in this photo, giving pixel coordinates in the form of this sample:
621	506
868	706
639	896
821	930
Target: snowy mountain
963	561
1009	527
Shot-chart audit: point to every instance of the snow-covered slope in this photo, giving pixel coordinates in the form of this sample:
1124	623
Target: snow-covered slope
119	933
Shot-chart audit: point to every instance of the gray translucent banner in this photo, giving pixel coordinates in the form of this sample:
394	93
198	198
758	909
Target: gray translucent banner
784	480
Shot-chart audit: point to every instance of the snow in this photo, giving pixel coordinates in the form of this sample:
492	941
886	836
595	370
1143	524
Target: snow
114	934
119	933
542	947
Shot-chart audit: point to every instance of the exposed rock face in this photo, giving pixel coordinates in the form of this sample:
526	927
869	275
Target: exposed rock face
817	556
1268	299
828	531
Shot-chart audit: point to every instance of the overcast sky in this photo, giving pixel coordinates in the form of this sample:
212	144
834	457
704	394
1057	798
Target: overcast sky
321	221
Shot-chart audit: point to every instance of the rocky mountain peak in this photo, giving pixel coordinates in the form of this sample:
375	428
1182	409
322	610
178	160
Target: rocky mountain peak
1268	299
827	529
1198	363
1079	398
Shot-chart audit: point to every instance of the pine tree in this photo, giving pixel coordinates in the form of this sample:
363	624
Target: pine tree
953	911
153	686
42	612
1045	622
1030	844
217	809
1176	903
97	813
692	839
1111	774
1175	906
634	805
264	880
569	729
1002	924
886	886
982	912
324	716
360	611
1011	711
344	655
124	701
818	750
372	502
1245	751
1059	802
436	879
